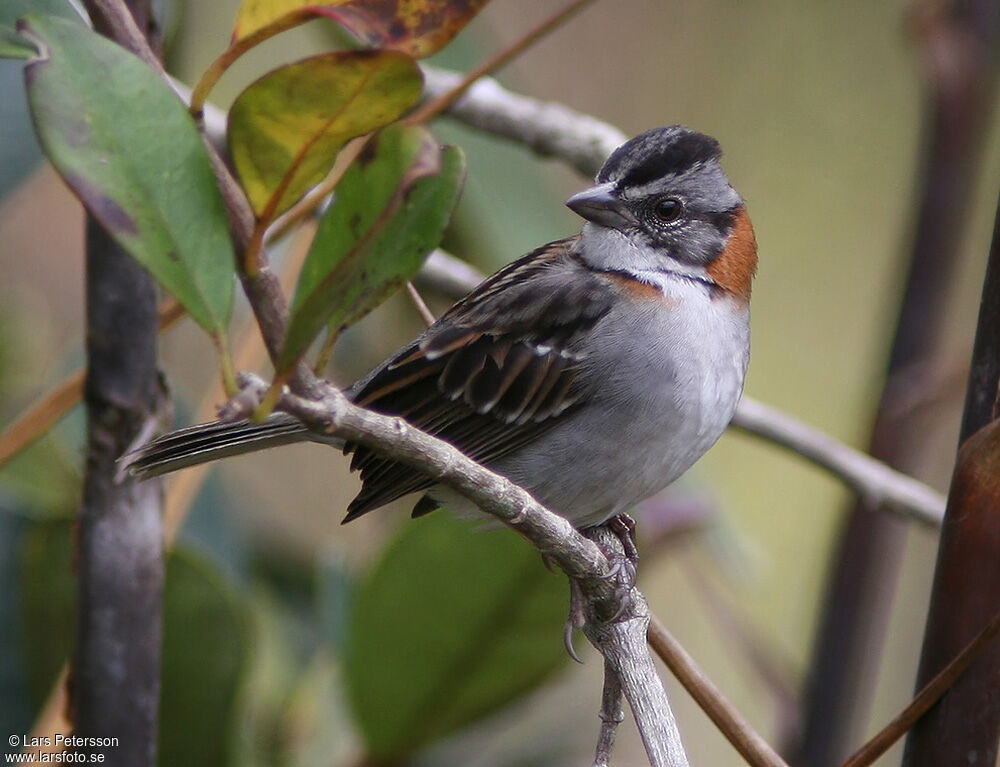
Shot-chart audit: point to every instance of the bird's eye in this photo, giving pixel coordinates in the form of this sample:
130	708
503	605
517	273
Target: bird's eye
667	209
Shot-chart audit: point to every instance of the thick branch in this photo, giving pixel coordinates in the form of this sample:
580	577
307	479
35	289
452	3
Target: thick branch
116	665
967	575
547	128
116	669
622	642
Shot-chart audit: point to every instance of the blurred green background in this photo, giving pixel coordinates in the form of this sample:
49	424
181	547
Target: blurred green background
817	107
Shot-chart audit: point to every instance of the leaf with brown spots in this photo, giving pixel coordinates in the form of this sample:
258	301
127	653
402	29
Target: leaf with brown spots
286	129
416	27
390	209
128	149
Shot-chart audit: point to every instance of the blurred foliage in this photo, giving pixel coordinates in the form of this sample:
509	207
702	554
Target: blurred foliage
816	106
205	645
447	627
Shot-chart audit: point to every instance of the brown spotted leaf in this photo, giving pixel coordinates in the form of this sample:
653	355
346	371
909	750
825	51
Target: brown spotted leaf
416	27
390	209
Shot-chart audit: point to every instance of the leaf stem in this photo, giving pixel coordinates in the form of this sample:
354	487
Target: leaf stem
225	59
270	399
226	364
440	104
315	197
251	258
326	351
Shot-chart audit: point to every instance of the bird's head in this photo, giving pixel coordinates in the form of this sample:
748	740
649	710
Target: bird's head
661	203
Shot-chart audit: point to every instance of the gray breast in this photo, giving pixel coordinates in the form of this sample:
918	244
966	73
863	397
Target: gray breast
666	378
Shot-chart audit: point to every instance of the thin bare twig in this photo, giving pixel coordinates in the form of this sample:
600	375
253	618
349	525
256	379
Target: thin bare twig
47	410
875	481
927	697
429	110
622	641
41	415
418	301
737	730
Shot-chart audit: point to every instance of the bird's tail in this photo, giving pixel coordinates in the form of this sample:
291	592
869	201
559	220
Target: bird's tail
212	441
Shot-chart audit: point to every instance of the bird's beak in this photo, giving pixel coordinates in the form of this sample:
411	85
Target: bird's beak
600	205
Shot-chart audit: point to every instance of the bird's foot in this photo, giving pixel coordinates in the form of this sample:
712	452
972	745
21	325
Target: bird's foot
624	527
624	565
622	571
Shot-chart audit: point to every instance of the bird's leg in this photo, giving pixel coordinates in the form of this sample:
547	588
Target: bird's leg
624	527
623	564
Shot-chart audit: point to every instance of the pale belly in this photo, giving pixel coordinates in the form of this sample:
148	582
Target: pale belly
669	384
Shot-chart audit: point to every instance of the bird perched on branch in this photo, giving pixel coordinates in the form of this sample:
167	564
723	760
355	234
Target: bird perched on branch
592	372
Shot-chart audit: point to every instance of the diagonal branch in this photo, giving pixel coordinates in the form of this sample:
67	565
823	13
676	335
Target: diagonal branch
871	478
547	128
876	482
621	640
738	732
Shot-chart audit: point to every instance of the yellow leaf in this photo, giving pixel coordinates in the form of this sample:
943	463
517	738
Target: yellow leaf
286	129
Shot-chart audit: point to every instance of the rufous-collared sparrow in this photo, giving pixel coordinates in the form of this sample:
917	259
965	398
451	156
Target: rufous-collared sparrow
592	372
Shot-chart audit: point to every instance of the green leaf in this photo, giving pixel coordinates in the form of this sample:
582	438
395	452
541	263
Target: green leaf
206	645
286	129
206	641
48	602
129	150
450	625
13	46
416	27
390	209
12	10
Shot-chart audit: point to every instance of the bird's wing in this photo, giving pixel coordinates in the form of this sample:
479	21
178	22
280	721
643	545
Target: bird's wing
494	372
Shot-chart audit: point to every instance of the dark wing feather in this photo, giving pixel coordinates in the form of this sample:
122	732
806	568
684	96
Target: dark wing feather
495	372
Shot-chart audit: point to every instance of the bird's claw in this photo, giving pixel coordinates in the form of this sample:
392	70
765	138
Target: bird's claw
575	620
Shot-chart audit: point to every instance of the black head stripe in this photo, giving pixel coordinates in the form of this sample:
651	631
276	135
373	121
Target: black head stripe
658	153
